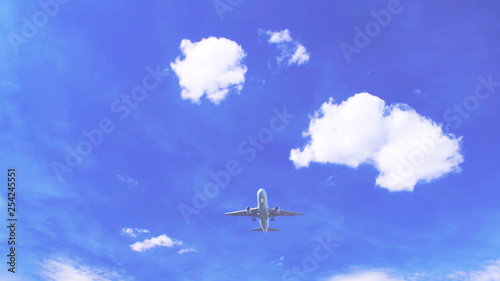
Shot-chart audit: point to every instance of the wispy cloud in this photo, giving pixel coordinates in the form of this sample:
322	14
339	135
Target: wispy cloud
489	271
329	181
66	269
187	250
160	241
368	275
127	180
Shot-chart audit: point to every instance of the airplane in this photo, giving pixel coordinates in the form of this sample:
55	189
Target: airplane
263	212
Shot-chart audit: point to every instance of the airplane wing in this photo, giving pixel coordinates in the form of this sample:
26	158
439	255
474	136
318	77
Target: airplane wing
253	213
272	213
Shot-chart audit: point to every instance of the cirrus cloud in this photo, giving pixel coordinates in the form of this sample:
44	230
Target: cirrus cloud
66	269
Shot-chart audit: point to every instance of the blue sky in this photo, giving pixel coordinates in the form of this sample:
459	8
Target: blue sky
427	67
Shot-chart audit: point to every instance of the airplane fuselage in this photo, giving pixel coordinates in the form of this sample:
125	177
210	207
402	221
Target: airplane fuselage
263	210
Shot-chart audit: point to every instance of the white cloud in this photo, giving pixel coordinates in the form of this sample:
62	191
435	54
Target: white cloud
291	51
402	145
129	231
300	56
160	241
369	275
127	180
133	232
280	36
188	250
65	269
212	66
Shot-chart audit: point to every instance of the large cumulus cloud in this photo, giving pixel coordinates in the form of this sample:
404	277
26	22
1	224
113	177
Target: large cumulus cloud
402	145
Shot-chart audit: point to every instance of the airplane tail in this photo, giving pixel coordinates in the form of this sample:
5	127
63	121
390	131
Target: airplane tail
269	229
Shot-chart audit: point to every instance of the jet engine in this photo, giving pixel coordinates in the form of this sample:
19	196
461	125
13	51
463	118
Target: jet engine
277	210
249	210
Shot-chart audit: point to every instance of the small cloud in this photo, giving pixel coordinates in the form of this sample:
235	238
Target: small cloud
300	56
280	263
292	52
280	36
129	232
127	180
141	230
420	93
329	181
160	241
188	250
133	232
211	67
